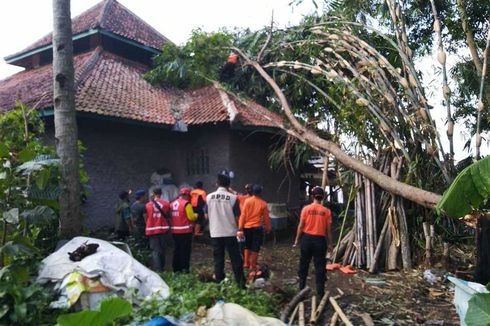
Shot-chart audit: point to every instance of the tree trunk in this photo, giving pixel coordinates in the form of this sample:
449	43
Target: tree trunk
66	134
302	133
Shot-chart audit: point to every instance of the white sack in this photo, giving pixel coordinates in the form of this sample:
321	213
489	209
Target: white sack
115	267
222	314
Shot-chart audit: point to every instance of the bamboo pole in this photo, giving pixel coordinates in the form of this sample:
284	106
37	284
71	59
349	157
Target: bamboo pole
335	317
337	308
293	315
351	193
367	206
445	254
294	302
301	320
313	310
428	257
377	252
321	306
404	237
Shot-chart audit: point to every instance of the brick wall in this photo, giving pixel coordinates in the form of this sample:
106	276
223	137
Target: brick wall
123	156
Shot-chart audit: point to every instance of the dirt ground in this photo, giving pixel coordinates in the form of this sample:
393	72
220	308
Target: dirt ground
395	298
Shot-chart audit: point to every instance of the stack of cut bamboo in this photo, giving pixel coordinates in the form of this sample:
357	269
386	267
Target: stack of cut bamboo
364	245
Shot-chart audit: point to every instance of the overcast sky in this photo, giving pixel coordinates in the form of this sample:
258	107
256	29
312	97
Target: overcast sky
22	22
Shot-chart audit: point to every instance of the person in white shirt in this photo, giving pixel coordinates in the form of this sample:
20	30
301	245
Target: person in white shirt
223	209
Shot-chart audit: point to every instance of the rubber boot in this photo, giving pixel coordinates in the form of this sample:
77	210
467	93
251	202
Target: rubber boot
253	260
246	257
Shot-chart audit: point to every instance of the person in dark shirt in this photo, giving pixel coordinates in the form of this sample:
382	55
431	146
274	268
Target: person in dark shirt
138	214
123	223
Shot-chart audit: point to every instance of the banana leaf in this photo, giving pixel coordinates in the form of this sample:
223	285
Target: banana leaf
469	190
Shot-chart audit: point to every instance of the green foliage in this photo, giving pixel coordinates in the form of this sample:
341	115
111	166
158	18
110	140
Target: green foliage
110	310
478	313
188	293
468	191
22	302
195	63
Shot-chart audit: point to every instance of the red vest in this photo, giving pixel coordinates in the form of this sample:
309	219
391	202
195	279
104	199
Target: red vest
155	222
195	194
180	222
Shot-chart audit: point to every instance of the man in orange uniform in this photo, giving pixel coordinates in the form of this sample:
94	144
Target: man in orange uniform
315	232
181	216
156	226
248	194
198	202
253	217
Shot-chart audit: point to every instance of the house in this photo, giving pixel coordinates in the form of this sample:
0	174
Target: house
132	129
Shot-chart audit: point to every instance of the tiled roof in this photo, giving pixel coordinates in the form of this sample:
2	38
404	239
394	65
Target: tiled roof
111	16
109	85
33	87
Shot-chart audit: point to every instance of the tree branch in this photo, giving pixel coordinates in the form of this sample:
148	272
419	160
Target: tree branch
417	195
267	41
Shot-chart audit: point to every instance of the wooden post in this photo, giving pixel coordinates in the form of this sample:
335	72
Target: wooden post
428	257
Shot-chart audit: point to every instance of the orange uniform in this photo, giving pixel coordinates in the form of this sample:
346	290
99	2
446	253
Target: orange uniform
316	218
242	199
254	213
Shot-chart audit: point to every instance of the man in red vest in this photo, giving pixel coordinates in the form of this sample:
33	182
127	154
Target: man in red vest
181	217
198	201
157	211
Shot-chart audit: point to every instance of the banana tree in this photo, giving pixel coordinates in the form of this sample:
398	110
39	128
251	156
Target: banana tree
466	199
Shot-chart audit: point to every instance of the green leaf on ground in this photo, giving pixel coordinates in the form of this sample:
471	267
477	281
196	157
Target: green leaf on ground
110	310
478	310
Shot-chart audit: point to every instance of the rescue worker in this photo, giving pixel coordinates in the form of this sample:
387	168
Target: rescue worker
157	211
315	232
198	201
253	218
248	194
181	217
222	208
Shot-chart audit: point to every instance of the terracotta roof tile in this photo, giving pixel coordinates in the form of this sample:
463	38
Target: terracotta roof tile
253	114
206	107
111	16
33	87
113	86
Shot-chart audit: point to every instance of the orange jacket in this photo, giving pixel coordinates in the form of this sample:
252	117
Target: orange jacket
254	214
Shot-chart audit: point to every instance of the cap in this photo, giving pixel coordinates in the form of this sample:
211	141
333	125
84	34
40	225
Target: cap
317	191
257	189
185	191
139	193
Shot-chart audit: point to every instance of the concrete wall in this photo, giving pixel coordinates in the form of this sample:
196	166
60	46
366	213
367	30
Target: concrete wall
123	156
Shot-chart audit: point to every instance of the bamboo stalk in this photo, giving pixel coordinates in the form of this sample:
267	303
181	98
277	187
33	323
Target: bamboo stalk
321	306
428	257
301	320
404	236
313	310
335	317
377	252
293	315
337	308
294	302
445	254
351	193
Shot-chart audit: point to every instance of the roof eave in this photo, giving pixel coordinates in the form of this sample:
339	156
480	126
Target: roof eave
16	57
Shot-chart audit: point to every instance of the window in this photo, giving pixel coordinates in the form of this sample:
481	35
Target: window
197	162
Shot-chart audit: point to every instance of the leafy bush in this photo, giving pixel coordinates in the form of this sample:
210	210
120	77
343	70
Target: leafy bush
478	313
188	293
110	310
